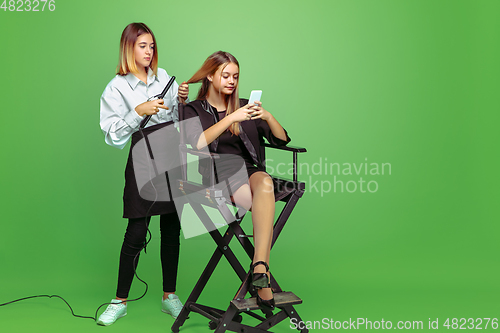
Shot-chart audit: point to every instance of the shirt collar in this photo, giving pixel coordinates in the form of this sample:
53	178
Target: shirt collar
133	81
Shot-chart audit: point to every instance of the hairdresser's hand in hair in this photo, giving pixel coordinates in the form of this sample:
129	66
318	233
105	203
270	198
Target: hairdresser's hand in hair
260	113
183	92
242	114
150	108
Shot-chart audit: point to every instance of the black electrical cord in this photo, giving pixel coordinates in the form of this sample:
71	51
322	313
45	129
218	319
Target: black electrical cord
147	240
49	296
95	316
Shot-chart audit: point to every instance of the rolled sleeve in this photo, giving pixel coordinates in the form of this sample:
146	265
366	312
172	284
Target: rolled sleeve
116	121
118	118
266	132
133	119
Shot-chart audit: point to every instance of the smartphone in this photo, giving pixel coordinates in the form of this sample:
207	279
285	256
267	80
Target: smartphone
255	95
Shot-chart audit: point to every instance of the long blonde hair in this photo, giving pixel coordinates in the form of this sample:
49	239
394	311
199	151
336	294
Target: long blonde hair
209	67
127	62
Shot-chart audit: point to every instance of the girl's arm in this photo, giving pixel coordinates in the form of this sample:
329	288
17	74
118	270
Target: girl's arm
117	121
214	131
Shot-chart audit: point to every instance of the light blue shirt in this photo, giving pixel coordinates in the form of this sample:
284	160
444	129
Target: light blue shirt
119	120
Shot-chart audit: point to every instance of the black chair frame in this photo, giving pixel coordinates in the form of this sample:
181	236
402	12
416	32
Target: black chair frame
231	318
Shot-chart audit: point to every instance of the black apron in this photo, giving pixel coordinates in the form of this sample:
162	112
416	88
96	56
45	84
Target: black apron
155	196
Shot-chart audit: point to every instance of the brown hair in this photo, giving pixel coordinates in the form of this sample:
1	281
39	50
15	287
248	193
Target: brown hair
209	67
127	42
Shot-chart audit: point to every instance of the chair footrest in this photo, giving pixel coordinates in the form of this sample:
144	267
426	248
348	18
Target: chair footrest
281	299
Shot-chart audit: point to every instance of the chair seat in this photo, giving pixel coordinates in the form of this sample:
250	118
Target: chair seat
285	187
281	299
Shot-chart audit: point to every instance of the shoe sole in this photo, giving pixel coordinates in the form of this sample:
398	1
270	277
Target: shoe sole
100	323
168	312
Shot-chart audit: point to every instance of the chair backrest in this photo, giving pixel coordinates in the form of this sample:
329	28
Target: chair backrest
182	144
202	154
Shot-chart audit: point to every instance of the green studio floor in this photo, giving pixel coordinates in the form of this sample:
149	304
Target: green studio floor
336	287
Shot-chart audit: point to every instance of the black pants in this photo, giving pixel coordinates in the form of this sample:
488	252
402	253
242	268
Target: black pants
135	237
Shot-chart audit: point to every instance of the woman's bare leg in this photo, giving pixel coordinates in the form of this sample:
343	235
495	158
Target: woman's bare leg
258	196
243	197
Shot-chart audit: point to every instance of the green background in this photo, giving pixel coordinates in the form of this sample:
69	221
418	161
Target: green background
410	83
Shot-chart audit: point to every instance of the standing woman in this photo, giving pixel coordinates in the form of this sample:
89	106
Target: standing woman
123	107
231	127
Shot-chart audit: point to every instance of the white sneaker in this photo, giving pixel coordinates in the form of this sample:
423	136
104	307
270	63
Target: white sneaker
114	311
172	305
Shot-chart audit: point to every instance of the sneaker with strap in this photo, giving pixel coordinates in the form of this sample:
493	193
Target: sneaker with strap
171	305
113	312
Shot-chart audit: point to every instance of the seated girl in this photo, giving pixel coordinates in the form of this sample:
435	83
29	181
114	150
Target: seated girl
235	129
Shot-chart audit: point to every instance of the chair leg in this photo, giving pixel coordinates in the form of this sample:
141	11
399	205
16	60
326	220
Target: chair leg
292	314
227	323
222	249
222	242
228	320
284	215
200	285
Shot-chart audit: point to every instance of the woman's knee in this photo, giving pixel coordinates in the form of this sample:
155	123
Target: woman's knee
261	182
170	229
170	224
136	232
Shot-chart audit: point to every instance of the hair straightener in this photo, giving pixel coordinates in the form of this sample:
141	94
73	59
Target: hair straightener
159	96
